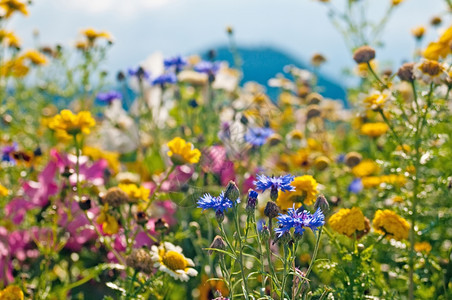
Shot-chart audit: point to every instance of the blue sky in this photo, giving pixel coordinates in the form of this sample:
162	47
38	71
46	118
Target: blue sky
140	27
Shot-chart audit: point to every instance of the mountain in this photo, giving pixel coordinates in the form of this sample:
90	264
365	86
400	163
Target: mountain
262	63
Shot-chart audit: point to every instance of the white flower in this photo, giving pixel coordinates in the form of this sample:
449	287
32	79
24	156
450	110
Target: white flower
168	258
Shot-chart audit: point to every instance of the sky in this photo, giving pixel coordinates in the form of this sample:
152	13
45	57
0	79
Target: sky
297	27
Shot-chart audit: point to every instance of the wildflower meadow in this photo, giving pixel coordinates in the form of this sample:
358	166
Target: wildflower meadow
175	178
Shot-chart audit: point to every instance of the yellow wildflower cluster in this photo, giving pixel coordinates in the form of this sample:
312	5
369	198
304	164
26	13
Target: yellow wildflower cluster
423	247
11	292
389	223
305	192
349	222
135	192
374	129
376	100
182	152
365	168
374	181
72	124
35	57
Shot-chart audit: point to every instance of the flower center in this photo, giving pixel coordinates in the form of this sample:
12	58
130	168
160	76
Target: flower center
174	261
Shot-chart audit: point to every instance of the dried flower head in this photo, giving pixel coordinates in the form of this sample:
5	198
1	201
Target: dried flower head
363	54
405	72
217	243
271	210
140	260
115	197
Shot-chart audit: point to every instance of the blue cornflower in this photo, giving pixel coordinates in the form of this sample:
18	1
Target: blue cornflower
258	136
166	78
282	183
108	97
356	186
219	204
176	61
207	67
299	219
252	201
139	72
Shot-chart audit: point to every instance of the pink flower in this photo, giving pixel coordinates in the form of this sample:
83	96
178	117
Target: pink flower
215	161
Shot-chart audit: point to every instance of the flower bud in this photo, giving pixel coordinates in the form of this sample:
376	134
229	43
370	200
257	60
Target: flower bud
271	210
364	54
217	243
322	203
141	218
352	159
220	216
84	203
252	201
161	226
232	192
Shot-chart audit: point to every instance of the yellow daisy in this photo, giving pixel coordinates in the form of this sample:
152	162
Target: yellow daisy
71	123
182	152
135	192
11	6
365	168
169	258
11	292
3	191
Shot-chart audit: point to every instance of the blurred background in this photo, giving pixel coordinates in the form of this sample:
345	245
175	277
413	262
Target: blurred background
275	32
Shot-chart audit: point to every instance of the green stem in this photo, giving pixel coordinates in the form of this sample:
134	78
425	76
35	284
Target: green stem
376	76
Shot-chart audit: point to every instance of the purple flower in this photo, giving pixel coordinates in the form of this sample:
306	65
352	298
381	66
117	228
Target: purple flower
7	152
258	136
166	78
299	219
219	204
109	96
139	72
207	67
176	61
356	186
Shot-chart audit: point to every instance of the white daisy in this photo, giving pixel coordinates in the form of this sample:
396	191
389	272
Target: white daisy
169	258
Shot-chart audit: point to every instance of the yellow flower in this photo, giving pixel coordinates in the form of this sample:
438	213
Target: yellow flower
109	223
441	48
423	247
418	32
301	159
14	67
182	152
35	57
73	124
430	71
3	191
9	39
305	192
91	34
376	100
348	221
374	129
365	168
397	199
389	223
371	181
11	6
11	292
396	2
112	158
169	258
135	192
